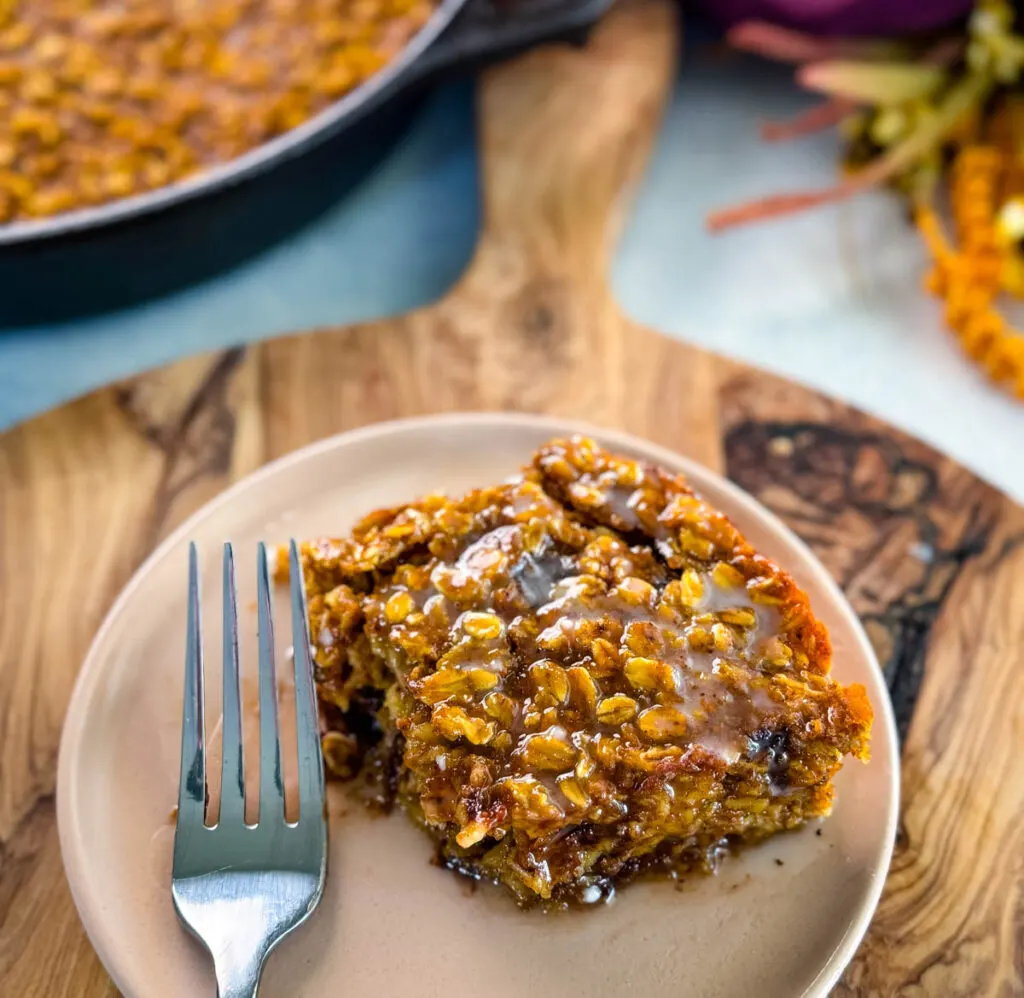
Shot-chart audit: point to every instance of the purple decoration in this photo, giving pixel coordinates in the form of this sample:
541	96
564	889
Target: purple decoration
842	17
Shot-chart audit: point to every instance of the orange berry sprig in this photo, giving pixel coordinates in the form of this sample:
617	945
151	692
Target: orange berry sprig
970	276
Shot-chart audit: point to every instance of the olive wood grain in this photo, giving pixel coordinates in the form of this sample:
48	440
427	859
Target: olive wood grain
931	557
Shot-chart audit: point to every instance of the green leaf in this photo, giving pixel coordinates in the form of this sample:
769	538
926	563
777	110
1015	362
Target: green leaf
877	83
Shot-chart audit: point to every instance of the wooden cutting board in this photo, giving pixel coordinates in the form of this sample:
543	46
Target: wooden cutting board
931	558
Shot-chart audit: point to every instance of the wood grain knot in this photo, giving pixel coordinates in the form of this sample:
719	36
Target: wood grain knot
893	526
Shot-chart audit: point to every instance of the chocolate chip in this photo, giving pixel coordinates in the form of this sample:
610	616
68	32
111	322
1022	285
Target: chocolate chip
537	573
772	746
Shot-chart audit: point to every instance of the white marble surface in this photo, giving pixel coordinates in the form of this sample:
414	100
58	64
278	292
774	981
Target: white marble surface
831	298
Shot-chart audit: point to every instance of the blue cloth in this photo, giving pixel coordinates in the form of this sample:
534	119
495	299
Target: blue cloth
397	241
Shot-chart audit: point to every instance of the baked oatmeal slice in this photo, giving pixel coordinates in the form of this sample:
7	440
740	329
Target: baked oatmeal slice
577	675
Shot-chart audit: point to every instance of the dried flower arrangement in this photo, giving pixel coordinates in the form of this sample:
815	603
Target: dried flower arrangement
933	115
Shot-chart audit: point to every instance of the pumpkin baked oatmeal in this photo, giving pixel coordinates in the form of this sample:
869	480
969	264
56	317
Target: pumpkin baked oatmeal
577	675
103	99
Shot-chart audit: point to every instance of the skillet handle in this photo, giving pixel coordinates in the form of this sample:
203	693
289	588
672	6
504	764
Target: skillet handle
487	30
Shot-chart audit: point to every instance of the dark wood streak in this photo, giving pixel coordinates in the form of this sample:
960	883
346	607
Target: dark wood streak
1009	546
16	858
167	426
817	474
196	438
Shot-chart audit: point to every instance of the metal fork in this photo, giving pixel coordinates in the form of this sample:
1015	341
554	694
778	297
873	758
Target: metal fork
239	888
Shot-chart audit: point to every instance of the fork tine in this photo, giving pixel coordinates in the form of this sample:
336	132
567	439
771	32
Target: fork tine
232	778
192	779
271	779
307	729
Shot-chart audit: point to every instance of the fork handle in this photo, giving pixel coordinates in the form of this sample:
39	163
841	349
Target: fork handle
238	974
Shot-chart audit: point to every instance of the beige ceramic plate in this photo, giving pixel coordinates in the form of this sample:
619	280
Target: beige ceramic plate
781	920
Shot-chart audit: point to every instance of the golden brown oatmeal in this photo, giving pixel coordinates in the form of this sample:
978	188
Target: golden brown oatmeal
577	675
103	100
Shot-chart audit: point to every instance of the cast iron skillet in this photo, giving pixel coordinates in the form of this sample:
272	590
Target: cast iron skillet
118	254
